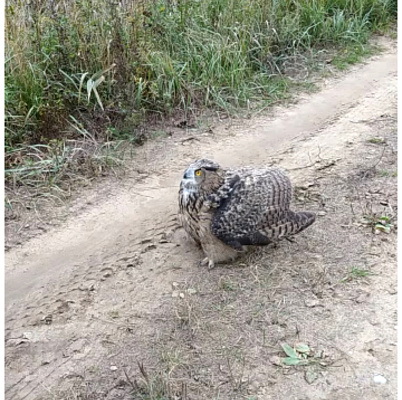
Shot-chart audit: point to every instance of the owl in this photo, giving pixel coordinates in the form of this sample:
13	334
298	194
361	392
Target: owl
226	210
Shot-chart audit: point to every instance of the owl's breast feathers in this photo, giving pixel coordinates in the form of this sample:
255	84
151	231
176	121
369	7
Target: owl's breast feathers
190	205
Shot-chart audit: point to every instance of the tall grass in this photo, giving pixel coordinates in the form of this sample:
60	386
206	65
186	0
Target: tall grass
108	64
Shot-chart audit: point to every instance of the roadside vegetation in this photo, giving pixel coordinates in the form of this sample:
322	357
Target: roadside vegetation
82	77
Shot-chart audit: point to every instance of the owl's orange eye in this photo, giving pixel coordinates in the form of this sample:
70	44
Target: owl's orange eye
198	172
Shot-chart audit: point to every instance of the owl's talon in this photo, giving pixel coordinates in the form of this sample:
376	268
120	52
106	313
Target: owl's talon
204	262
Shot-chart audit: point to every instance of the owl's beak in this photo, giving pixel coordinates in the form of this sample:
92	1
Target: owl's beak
189	179
189	175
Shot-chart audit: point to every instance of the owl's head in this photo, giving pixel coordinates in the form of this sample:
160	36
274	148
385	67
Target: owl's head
201	173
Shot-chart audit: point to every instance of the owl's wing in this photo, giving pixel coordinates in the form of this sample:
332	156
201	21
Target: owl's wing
255	208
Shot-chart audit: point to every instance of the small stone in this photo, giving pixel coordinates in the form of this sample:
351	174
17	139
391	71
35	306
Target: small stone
254	386
113	368
79	356
311	303
321	213
48	319
27	335
181	295
379	379
362	297
87	286
275	360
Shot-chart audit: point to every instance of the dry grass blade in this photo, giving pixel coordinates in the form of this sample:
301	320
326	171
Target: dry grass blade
143	372
133	383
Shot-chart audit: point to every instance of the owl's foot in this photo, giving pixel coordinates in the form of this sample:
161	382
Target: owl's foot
206	261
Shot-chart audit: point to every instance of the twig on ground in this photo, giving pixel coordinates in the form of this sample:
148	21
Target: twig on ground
189	138
134	384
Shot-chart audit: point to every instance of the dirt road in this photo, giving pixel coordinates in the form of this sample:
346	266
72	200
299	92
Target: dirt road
120	284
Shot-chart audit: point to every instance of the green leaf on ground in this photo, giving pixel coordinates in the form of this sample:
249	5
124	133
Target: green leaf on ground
383	228
302	348
290	351
290	361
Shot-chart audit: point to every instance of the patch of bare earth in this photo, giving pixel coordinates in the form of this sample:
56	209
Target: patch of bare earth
125	312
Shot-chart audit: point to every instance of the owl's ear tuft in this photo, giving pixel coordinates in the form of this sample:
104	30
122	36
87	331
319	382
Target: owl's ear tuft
210	168
207	164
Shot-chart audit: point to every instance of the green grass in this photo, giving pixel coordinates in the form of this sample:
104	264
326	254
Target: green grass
384	173
93	71
351	54
356	273
377	140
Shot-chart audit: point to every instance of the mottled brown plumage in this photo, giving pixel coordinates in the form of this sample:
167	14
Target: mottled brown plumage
224	210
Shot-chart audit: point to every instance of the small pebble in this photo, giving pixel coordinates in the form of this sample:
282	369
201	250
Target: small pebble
379	379
113	368
311	303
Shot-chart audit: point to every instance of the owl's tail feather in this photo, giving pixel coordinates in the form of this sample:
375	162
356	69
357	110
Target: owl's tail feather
303	220
293	223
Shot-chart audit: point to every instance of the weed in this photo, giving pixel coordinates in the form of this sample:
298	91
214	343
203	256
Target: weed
378	223
227	285
352	54
114	314
356	273
154	387
48	165
171	359
158	385
384	173
159	134
377	140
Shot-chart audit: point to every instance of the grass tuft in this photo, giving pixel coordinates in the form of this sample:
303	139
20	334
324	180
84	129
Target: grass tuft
103	67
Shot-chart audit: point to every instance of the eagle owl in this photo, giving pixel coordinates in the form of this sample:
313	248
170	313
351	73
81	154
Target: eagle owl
225	210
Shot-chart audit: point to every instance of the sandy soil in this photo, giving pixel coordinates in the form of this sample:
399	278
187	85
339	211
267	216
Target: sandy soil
113	305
